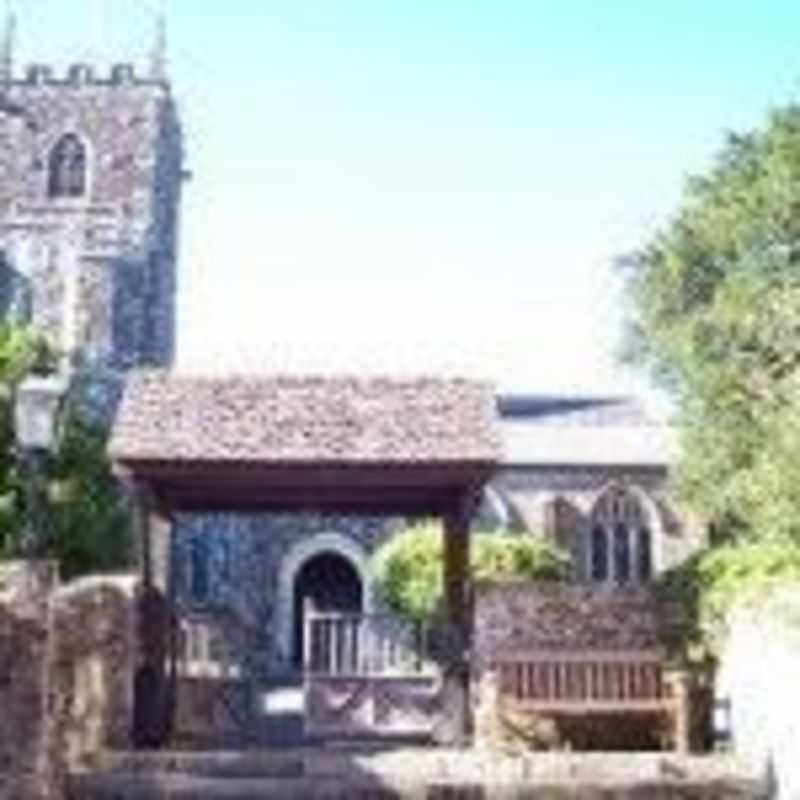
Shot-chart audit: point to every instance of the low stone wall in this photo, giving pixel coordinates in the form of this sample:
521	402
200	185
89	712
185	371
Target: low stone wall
759	677
30	764
67	655
553	616
515	617
95	652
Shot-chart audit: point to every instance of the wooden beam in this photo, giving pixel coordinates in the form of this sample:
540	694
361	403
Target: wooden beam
454	726
367	499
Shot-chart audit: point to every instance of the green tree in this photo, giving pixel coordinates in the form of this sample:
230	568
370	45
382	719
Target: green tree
715	313
88	523
408	567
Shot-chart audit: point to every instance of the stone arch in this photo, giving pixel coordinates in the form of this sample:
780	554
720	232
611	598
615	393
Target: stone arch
652	522
291	564
68	163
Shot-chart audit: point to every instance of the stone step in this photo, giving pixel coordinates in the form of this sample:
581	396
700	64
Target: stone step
415	773
176	786
214	764
191	787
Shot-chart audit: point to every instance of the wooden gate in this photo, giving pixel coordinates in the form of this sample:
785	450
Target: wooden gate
367	674
215	681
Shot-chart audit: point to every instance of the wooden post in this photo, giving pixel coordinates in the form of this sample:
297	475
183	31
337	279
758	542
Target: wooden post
454	726
681	687
139	499
165	548
153	698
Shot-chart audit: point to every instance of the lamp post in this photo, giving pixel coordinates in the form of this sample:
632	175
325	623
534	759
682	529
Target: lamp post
36	411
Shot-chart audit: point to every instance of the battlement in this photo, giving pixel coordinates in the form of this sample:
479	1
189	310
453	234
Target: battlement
84	75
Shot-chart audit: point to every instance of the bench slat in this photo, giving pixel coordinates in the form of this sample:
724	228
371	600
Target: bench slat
622	678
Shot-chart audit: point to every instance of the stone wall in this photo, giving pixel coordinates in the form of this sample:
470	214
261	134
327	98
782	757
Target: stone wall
541	616
67	655
758	676
95	634
247	556
30	763
512	618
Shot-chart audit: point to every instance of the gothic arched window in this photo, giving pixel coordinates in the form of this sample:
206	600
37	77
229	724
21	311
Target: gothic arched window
622	553
620	546
66	175
599	554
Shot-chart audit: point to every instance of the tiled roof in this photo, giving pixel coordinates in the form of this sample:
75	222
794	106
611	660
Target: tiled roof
296	419
582	431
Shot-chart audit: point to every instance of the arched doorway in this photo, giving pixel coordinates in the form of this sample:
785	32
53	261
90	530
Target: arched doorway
331	583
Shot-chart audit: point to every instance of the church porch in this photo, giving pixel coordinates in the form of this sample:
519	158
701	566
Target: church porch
338	445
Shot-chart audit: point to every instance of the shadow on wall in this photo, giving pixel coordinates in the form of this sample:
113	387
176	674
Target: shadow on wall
567	521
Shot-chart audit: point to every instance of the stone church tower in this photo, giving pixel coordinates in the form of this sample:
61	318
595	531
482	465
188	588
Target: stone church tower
90	181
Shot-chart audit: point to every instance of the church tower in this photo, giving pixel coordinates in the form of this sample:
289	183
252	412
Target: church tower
90	182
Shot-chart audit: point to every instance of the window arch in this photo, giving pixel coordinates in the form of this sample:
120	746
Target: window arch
620	545
66	169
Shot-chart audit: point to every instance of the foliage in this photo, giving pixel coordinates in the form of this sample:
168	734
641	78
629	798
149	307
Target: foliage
90	524
715	312
705	588
88	527
408	567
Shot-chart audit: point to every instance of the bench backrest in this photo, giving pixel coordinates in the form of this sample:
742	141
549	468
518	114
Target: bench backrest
539	676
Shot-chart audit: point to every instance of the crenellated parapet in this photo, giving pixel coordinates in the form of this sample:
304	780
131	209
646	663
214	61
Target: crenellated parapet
84	75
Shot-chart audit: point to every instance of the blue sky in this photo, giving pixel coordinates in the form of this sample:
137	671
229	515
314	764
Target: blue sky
390	186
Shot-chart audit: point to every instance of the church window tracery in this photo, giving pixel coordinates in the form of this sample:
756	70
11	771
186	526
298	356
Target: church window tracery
620	544
599	554
67	168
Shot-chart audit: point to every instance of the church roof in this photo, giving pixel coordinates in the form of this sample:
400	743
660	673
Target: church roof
545	430
546	409
294	419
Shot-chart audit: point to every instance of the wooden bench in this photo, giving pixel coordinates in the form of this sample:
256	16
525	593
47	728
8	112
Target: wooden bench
591	682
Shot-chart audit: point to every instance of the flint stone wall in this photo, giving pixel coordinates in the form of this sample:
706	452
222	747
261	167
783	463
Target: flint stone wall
95	274
541	616
67	655
30	768
92	672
